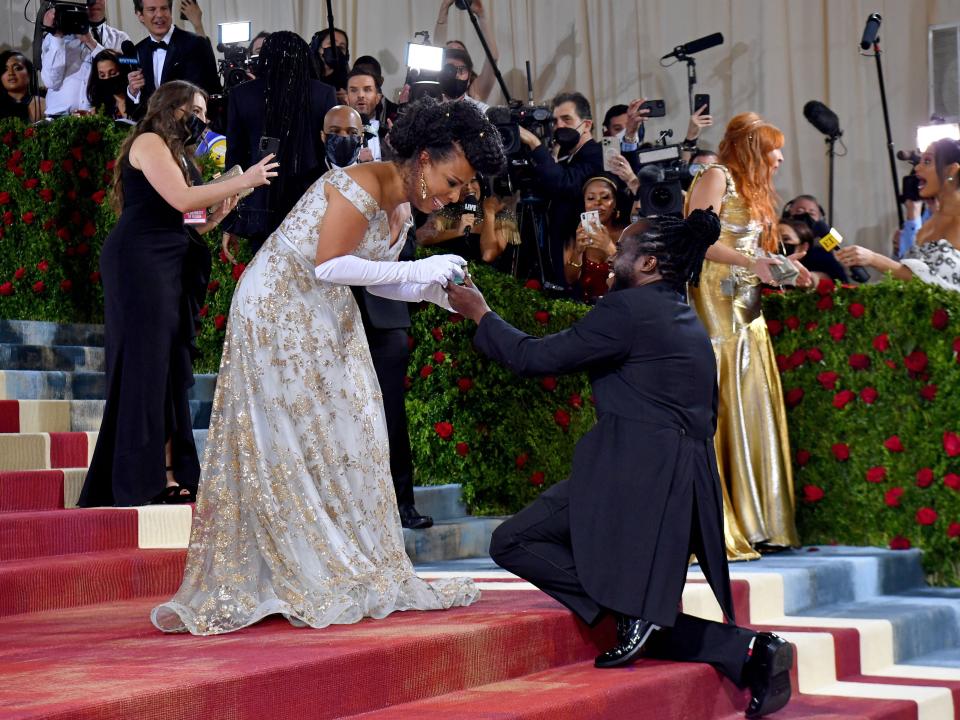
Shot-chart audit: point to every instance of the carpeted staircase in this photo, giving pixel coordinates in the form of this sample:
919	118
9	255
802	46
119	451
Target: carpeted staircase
76	588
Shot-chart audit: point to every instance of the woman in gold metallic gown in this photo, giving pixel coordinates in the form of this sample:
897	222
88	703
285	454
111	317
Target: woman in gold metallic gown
753	449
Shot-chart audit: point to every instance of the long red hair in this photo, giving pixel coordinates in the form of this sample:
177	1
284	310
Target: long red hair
745	149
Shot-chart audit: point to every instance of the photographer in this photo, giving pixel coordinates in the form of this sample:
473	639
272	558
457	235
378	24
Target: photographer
65	59
456	77
282	111
480	86
577	158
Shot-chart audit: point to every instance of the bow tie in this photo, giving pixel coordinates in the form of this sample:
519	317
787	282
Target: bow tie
158	45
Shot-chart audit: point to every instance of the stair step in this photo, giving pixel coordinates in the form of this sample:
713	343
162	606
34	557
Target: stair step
451	539
68	358
32	416
441	502
60	532
56	385
34	332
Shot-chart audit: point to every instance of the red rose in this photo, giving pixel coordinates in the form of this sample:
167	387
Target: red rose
881	342
19	273
46	166
956	345
794	397
892	497
219	322
99	196
456	318
532	284
838	331
793	322
8	217
774	327
67	165
549	383
783	364
444	430
8	138
18	171
877	474
856	310
83	249
892	364
4	198
575	401
407	382
924	477
83	174
826	286
437	334
537	478
929	392
803	457
797	358
94	277
71	195
562	418
815	355
811	326
48	224
940	319
111	164
30	183
237	271
521	460
66	285
951	444
926	516
812	493
93	137
899	542
439	357
843	398
213	286
15	158
77	153
43	266
954	530
204	311
39	287
27	218
825	303
6	289
462	449
893	444
841	451
542	317
828	379
859	361
869	395
951	480
89	229
916	362
46	194
426	371
465	384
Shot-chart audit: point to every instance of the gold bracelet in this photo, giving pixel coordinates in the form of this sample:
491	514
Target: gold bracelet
572	264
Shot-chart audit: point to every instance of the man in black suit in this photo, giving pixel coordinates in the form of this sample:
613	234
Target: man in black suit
644	492
169	53
561	178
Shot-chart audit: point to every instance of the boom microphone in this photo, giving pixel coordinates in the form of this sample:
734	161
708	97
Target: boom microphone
695	46
822	118
870	31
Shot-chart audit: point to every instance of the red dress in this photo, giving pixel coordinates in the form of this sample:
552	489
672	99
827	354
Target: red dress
593	279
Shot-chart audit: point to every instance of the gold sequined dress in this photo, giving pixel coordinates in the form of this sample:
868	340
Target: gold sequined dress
296	512
753	448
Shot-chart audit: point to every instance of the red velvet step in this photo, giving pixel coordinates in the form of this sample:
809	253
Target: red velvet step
68	449
59	532
66	581
26	490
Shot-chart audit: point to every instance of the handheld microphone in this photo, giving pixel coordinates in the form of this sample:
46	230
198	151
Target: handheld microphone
129	56
695	46
910	156
822	118
830	240
870	31
470	208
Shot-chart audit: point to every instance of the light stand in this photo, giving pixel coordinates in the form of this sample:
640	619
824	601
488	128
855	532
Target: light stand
886	122
691	77
831	141
468	6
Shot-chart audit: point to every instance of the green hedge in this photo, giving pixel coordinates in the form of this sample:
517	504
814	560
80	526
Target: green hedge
872	383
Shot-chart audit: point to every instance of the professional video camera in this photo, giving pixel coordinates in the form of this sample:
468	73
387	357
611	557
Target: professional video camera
508	120
910	183
70	18
662	174
235	64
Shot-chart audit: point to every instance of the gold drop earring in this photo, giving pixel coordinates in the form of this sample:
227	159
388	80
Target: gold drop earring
423	187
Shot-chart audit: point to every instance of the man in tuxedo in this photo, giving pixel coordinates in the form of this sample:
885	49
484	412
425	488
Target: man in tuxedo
169	53
644	491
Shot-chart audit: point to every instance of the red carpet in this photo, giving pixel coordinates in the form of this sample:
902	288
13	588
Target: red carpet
31	490
59	532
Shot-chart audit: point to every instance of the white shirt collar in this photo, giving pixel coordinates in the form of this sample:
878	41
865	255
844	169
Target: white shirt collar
166	38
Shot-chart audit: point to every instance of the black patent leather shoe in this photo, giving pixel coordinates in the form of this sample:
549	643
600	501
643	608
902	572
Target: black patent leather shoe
632	633
410	518
768	674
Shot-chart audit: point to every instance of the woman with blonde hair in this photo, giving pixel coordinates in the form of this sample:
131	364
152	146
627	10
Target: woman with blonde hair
753	450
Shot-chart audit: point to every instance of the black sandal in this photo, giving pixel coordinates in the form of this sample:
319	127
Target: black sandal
174	494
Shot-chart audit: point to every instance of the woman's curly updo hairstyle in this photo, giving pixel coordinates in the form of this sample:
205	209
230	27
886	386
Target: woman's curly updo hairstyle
442	127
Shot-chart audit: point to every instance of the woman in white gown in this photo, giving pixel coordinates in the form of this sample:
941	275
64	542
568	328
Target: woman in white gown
296	512
935	257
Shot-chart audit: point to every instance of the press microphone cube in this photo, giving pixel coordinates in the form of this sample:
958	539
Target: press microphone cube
831	241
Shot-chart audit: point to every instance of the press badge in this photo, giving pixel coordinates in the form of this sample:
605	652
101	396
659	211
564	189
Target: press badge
195	217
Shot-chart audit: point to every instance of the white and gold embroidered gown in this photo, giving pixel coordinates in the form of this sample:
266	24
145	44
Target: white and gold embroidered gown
296	512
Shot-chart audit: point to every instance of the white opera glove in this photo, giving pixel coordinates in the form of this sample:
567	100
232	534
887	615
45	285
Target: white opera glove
413	292
352	270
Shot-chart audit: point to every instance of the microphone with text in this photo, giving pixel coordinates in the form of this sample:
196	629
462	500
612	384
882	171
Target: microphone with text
470	208
695	46
870	31
822	118
129	56
830	240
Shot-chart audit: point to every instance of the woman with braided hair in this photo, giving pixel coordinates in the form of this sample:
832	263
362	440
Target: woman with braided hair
643	492
753	449
296	512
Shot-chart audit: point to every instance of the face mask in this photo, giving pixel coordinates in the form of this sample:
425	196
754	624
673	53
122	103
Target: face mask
342	150
335	58
566	139
452	86
195	127
109	87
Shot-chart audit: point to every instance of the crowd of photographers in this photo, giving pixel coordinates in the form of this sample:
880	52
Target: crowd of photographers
554	214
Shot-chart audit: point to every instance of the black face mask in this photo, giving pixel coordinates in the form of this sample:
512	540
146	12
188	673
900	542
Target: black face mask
117	85
452	86
566	139
195	127
342	150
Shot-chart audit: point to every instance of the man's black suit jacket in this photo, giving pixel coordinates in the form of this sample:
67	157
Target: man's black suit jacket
189	57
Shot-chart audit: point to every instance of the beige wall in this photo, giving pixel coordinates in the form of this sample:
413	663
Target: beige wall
778	54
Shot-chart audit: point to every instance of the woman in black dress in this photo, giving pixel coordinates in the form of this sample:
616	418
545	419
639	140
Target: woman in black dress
152	266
